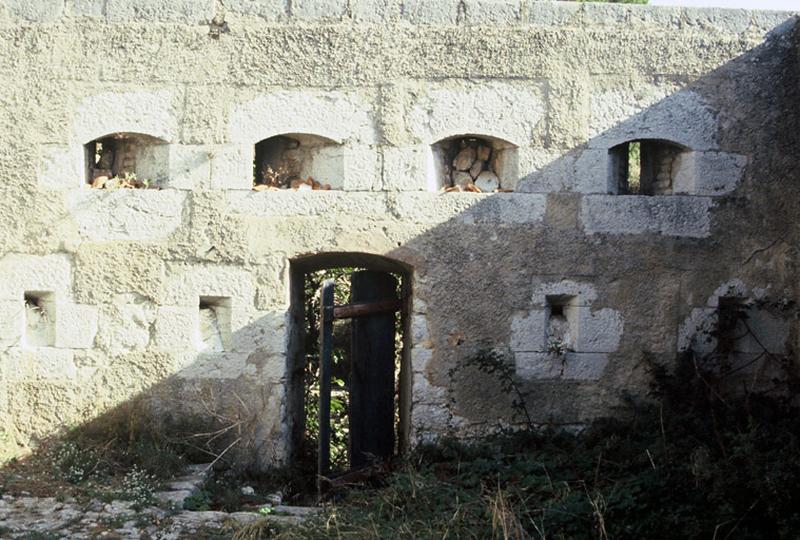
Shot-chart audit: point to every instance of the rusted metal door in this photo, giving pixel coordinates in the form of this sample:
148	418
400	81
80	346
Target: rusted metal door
373	303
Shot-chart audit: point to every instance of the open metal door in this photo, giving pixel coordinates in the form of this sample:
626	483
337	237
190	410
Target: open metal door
373	303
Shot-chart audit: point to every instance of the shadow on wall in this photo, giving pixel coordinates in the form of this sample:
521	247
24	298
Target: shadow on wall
622	271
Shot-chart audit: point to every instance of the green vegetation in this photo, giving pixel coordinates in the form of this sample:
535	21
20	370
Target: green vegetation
692	465
340	422
708	455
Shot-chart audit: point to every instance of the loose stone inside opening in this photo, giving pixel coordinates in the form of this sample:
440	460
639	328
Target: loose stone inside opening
127	160
298	161
474	163
214	324
646	167
40	318
562	323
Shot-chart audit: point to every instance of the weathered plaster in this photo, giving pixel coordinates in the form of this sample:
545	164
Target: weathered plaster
559	83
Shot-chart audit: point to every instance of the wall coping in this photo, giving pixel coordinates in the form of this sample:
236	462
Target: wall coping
424	13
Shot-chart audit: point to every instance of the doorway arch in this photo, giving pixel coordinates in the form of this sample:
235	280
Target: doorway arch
300	268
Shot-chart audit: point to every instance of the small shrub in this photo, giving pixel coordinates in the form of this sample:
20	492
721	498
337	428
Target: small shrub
198	501
74	463
138	486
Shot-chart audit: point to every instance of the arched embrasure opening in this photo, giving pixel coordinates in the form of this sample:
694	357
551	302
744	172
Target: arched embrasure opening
476	163
298	161
307	276
132	160
645	166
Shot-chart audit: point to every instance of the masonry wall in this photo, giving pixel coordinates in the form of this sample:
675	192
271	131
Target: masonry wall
122	271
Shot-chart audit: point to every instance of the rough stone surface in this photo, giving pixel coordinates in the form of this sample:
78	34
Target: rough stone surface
48	517
553	86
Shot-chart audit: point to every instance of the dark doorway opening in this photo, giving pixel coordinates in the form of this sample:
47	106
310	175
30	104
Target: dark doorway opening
369	372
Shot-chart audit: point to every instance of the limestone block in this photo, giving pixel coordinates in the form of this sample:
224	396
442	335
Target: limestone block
35	273
422	391
179	11
506	208
75	325
375	11
544	13
765	331
264	331
671	215
708	173
85	8
695	331
469	208
718	19
433	208
499	12
420	358
570	366
362	169
404	169
320	10
419	329
682	117
189	167
61	167
232	166
126	214
38	12
664	17
592	173
424	12
764	22
605	15
598	331
41	364
271	10
272	367
272	284
90	360
733	288
176	328
336	115
418	305
186	283
291	203
12	322
136	271
428	419
528	331
542	171
584	293
227	365
511	111
153	113
124	328
585	366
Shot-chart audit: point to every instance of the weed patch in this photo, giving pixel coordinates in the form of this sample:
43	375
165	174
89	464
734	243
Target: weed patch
696	462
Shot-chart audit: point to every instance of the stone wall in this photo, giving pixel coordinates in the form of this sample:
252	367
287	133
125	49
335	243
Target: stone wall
116	278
